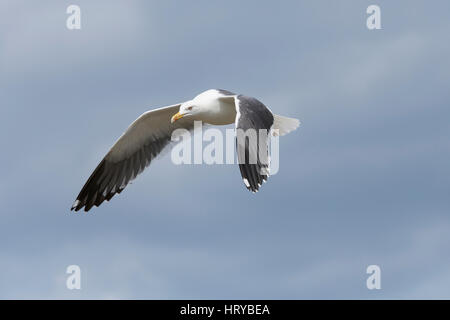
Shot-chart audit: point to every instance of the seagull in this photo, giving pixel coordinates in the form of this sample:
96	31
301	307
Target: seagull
149	134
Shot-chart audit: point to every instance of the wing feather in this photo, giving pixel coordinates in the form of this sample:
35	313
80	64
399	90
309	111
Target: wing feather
144	139
254	115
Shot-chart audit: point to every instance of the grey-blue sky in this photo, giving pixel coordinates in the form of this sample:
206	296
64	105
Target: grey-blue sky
364	181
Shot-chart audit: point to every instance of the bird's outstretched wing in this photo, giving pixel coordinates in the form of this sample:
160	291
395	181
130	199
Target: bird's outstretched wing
253	156
144	139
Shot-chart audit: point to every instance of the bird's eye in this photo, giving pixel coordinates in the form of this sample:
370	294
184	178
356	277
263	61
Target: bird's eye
189	108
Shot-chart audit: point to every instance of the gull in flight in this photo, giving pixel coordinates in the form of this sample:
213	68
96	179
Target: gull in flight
149	134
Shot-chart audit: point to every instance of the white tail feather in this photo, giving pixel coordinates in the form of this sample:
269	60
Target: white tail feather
283	125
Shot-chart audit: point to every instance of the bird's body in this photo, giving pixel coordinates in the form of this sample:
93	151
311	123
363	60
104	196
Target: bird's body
148	135
218	109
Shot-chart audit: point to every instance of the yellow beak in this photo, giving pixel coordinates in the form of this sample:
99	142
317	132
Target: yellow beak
176	116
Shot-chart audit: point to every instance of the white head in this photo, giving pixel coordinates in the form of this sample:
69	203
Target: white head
200	107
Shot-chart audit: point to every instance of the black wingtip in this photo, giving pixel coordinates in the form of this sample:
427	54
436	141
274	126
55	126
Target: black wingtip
76	206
